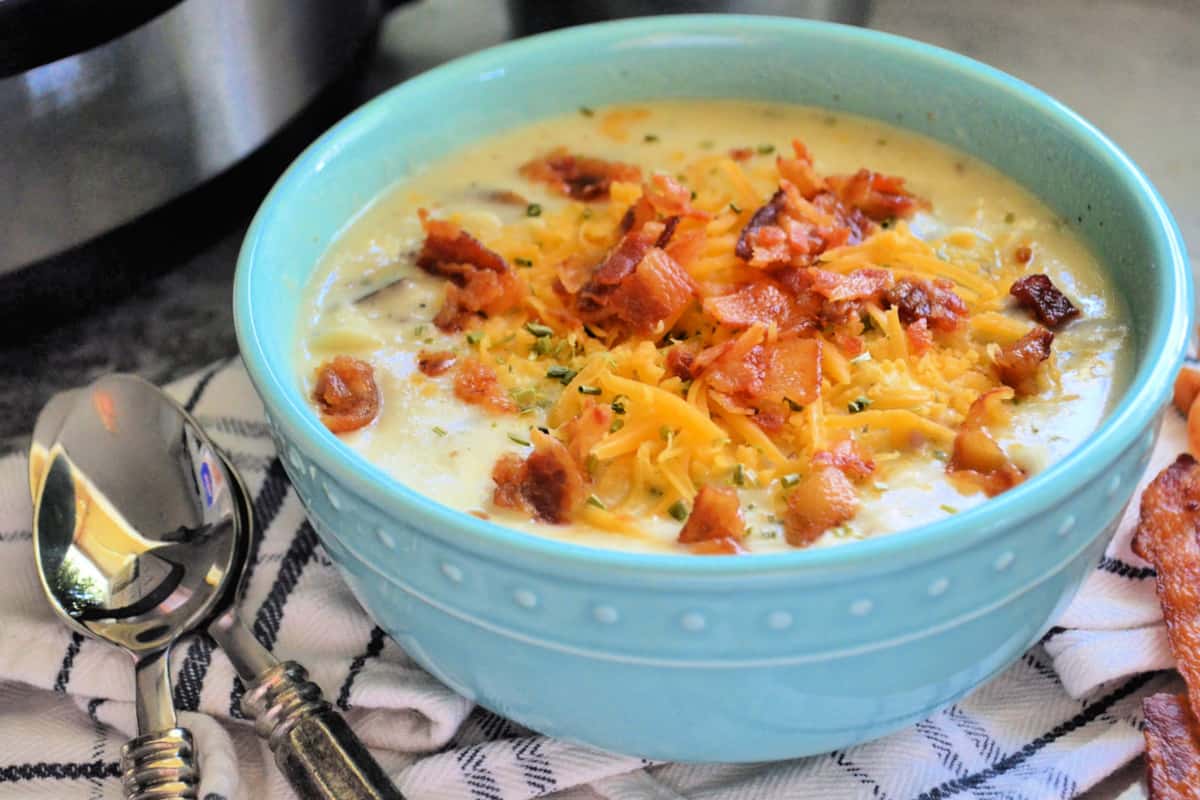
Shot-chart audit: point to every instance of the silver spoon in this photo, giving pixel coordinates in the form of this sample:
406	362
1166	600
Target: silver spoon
313	746
127	553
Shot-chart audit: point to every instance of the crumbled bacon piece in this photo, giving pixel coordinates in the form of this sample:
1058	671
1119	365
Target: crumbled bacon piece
763	219
767	375
476	383
933	301
548	483
1023	254
800	173
680	361
865	285
579	177
1172	735
435	363
879	196
920	338
670	198
741	153
449	251
848	456
716	514
977	457
345	393
761	302
821	500
849	344
646	295
1038	294
1017	363
1166	537
481	281
585	430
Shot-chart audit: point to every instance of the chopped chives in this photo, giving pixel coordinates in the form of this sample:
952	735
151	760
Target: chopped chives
618	404
665	432
739	475
588	389
539	330
678	510
859	404
523	442
789	481
533	210
948	509
766	149
597	502
439	430
792	404
734	208
475	337
587	112
650	137
523	262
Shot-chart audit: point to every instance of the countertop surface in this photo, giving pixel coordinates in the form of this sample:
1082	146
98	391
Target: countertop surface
1130	66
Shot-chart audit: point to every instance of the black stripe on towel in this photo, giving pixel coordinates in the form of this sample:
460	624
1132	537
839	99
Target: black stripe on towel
479	779
270	613
1014	760
1124	570
190	682
64	671
202	384
59	771
374	648
534	765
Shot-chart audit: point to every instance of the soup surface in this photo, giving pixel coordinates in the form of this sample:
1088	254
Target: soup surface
669	328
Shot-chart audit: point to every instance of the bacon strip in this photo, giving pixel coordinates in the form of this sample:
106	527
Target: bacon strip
1166	537
1018	362
481	281
584	431
1038	294
476	383
821	500
848	456
716	515
579	177
762	302
764	376
933	301
879	196
639	286
345	393
547	484
1172	747
977	457
762	218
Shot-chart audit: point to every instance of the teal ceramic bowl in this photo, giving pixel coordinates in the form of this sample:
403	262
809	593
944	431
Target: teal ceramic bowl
719	658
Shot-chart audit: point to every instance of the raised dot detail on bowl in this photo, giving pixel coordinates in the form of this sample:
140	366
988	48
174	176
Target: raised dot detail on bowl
605	614
938	587
385	538
334	499
693	621
1114	483
452	572
1068	524
525	598
860	608
1004	561
779	620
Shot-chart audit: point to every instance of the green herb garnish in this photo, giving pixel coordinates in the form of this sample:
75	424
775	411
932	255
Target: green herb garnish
523	262
766	149
538	329
792	404
587	112
523	442
1010	218
788	481
678	510
734	208
439	430
739	475
533	210
859	404
475	337
585	388
948	509
618	404
597	502
650	137
616	425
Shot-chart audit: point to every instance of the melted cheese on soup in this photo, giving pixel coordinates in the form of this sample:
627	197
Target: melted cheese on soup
902	410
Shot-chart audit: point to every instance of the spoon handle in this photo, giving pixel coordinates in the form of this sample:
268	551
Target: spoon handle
160	766
313	746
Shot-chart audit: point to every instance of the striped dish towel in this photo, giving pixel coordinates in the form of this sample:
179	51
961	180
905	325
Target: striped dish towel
1060	719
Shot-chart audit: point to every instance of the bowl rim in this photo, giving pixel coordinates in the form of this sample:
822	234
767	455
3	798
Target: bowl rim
1136	410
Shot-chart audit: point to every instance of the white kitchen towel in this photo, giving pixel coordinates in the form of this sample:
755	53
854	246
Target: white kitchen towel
1060	719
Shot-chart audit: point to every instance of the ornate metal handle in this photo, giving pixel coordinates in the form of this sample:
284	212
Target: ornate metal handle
160	766
313	746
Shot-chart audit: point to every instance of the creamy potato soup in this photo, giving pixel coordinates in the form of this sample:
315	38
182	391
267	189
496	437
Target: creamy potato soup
710	327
